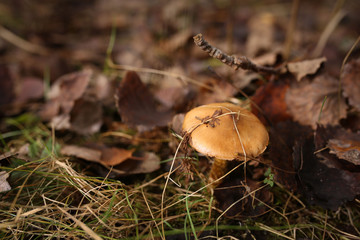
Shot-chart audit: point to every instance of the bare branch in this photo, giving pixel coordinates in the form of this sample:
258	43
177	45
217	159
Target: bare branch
232	61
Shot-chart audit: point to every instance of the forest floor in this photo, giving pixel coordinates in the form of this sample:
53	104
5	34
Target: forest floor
92	99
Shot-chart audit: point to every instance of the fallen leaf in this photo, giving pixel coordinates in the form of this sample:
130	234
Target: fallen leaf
327	140
75	102
70	87
271	100
64	92
86	153
114	156
346	149
98	153
172	93
282	138
86	116
177	122
323	180
120	161
4	185
350	80
137	106
150	163
305	100
307	67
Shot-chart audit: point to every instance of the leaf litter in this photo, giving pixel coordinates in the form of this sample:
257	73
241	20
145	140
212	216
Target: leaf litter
312	115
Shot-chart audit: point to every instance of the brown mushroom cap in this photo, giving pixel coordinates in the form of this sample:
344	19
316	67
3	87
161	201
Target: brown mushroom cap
212	131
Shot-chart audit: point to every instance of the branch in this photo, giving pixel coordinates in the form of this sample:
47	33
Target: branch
232	61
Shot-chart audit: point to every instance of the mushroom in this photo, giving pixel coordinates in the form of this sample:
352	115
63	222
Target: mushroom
226	132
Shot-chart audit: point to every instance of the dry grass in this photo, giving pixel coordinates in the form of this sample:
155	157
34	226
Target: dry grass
52	199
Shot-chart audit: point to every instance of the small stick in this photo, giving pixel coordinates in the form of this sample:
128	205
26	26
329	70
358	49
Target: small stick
232	61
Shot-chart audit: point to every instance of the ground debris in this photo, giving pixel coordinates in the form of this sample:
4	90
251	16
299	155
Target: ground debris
137	106
324	179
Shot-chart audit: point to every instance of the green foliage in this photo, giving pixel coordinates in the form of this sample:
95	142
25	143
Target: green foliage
269	177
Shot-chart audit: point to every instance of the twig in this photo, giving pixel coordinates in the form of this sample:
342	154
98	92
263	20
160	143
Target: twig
21	43
330	27
232	61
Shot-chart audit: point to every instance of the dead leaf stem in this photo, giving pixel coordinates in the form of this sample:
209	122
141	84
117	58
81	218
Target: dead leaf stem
233	61
21	43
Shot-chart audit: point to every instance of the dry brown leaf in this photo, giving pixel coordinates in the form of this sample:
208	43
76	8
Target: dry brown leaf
4	185
326	185
64	92
75	103
137	106
177	122
345	145
346	149
350	80
150	163
100	154
307	67
86	116
120	161
86	153
271	100
305	99
114	156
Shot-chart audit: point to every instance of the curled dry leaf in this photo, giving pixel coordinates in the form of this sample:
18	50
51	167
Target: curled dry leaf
85	153
74	104
68	88
122	161
63	94
303	68
150	163
305	100
342	143
137	106
350	80
346	149
4	185
100	154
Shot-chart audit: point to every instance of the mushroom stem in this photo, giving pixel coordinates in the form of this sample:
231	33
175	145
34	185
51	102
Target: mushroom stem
218	169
